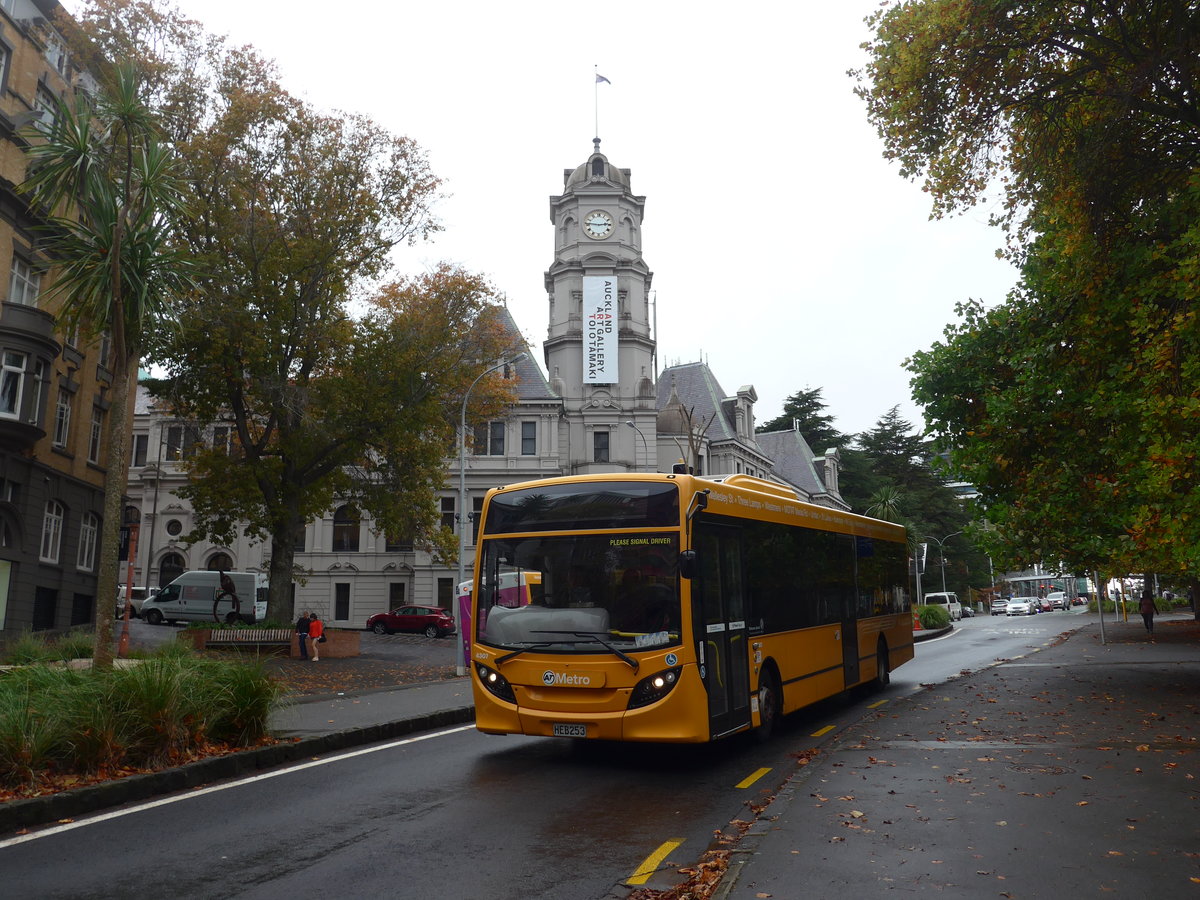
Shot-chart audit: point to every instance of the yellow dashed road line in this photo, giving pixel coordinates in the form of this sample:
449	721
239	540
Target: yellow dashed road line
651	863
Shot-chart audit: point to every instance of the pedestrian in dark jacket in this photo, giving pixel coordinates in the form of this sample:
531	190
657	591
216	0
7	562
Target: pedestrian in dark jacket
1148	610
302	633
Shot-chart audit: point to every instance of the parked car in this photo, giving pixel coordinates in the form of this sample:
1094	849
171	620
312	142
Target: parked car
968	611
999	605
1021	606
136	598
431	621
947	601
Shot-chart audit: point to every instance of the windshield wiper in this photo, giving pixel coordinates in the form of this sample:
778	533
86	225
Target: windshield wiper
597	639
501	660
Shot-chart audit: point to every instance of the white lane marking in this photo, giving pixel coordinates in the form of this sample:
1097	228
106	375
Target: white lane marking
200	792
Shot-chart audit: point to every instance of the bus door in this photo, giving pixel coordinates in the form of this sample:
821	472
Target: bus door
719	611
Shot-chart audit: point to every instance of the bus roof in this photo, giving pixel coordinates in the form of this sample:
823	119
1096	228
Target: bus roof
742	496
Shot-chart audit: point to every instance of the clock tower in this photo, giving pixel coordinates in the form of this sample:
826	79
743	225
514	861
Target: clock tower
599	347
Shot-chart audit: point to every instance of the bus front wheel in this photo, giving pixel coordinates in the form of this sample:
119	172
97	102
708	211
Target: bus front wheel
769	704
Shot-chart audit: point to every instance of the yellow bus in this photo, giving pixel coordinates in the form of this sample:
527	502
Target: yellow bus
677	608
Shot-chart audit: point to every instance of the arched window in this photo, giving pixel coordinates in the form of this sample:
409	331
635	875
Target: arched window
345	529
220	562
170	567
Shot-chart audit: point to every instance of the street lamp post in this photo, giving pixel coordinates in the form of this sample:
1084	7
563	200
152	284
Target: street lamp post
459	657
942	554
645	446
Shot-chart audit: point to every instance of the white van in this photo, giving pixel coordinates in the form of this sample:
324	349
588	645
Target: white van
137	596
947	600
198	597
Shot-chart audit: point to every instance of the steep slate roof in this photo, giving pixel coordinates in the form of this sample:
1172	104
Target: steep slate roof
793	459
533	384
698	389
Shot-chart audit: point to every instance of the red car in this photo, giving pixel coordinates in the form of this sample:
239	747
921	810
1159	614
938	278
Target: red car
431	621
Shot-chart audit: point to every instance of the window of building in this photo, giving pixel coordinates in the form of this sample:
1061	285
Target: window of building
138	452
24	284
529	438
174	528
222	438
52	527
448	513
82	607
301	539
47	104
89	530
96	441
395	594
12	382
182	441
345	529
220	562
489	439
45	608
599	446
476	515
445	593
341	600
170	568
62	418
398	543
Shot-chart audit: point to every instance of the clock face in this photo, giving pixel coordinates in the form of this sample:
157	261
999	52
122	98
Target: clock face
597	224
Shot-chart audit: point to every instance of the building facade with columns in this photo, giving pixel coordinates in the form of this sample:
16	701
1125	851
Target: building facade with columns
600	406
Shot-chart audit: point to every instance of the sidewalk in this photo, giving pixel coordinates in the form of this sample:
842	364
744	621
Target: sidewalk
1072	771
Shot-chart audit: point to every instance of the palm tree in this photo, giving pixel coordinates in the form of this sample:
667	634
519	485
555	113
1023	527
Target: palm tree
106	183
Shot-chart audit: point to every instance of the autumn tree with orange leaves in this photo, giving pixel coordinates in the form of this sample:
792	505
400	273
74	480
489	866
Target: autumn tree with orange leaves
1073	406
336	389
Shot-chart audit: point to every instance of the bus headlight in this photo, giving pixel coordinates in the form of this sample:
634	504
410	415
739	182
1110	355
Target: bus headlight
654	687
495	683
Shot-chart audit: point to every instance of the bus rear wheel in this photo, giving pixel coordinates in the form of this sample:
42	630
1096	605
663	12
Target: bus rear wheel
883	669
769	705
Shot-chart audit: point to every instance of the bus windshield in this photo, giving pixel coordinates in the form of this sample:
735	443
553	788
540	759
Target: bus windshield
583	593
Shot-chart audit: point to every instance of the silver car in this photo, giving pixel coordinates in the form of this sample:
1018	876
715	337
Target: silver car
1022	606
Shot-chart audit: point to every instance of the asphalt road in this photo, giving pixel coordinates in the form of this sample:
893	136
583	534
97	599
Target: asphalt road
458	814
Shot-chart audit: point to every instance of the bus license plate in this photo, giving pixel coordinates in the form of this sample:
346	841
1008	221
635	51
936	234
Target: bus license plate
569	729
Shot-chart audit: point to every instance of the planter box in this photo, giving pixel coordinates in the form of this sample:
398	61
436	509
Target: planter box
338	644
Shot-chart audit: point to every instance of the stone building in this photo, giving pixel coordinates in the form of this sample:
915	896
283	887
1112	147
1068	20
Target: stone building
54	387
600	405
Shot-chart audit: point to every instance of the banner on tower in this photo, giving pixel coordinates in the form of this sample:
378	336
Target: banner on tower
600	329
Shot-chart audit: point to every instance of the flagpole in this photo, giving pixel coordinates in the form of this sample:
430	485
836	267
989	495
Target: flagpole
596	96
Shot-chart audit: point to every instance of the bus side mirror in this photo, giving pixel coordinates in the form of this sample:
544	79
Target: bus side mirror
687	564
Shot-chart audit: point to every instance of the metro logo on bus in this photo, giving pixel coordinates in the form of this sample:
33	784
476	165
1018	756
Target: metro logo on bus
550	678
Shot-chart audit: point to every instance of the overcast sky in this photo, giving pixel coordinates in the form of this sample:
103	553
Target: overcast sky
786	251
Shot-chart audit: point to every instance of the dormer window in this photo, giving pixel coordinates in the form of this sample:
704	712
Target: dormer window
598	167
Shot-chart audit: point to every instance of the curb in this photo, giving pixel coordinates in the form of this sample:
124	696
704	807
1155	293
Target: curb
17	814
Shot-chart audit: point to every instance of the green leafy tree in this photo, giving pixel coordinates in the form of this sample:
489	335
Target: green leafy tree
906	489
338	390
1072	406
104	168
806	410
